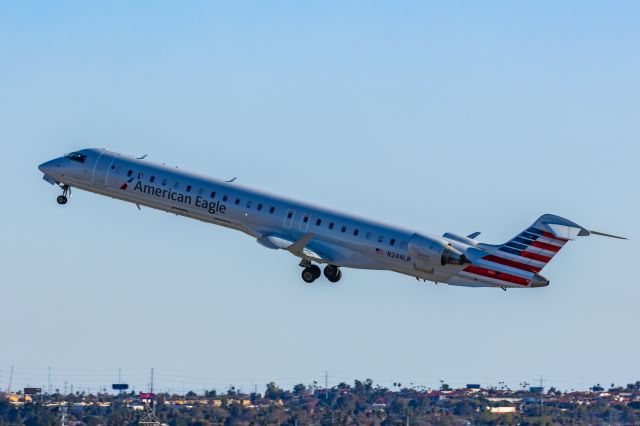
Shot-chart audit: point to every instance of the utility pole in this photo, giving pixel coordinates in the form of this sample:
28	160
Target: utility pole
541	396
326	386
10	380
49	381
149	417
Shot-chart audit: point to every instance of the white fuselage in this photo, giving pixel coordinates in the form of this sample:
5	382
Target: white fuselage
330	237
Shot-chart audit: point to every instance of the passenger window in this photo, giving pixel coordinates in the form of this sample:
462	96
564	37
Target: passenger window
248	204
237	201
343	229
306	219
271	210
368	235
356	232
392	242
200	191
259	207
113	167
225	198
152	179
318	222
140	175
381	238
289	215
130	173
188	188
213	194
331	225
164	182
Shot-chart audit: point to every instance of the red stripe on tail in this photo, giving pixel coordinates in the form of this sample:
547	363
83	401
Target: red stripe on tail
512	263
535	256
553	237
496	275
545	246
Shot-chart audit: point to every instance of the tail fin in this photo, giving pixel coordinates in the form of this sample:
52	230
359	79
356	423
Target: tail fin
534	247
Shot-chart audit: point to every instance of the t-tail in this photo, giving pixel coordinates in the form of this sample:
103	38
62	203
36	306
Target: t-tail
518	262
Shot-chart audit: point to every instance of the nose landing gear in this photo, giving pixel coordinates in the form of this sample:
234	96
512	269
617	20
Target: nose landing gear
66	192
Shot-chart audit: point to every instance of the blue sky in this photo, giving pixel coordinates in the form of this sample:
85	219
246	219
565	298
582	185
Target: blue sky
440	116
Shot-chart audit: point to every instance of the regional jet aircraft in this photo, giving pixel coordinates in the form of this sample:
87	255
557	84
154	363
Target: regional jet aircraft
317	235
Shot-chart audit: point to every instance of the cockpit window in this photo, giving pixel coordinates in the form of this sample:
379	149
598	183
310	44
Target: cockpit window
76	156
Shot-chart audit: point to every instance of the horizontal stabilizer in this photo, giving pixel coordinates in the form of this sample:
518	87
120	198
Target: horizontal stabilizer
473	235
608	235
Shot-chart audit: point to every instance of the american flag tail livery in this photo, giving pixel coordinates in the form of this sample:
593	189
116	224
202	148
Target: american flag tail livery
517	262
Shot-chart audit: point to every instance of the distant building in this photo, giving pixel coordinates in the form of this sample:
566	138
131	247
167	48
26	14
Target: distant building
502	410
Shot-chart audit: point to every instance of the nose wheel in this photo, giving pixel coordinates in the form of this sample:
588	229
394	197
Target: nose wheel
66	193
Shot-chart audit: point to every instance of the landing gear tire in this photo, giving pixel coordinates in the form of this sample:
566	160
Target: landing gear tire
310	274
66	191
333	273
315	269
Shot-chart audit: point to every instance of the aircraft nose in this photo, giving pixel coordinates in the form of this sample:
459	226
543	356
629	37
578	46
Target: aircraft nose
48	167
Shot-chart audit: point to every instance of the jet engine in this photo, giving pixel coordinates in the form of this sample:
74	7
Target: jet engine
429	250
451	256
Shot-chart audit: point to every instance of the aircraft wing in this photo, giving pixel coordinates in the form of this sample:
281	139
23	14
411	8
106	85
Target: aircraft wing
298	248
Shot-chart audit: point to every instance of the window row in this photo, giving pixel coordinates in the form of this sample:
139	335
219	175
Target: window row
331	225
201	192
343	229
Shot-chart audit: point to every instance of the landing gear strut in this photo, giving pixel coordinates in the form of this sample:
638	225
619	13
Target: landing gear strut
332	273
66	192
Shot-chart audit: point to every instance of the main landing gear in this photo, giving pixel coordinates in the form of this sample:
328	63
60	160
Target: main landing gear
332	273
311	272
66	192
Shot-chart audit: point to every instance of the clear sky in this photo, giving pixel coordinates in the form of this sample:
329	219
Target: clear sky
439	116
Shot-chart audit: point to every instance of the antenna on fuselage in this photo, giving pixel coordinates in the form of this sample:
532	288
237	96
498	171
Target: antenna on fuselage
231	180
142	158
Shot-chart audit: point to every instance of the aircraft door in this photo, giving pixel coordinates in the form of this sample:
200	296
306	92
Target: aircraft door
288	219
101	170
304	222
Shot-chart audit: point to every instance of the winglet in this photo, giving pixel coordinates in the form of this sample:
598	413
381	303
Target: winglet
473	235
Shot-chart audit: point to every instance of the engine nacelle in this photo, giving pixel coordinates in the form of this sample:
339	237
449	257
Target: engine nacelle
431	251
459	238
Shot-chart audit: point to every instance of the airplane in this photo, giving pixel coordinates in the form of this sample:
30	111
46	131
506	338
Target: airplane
317	235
